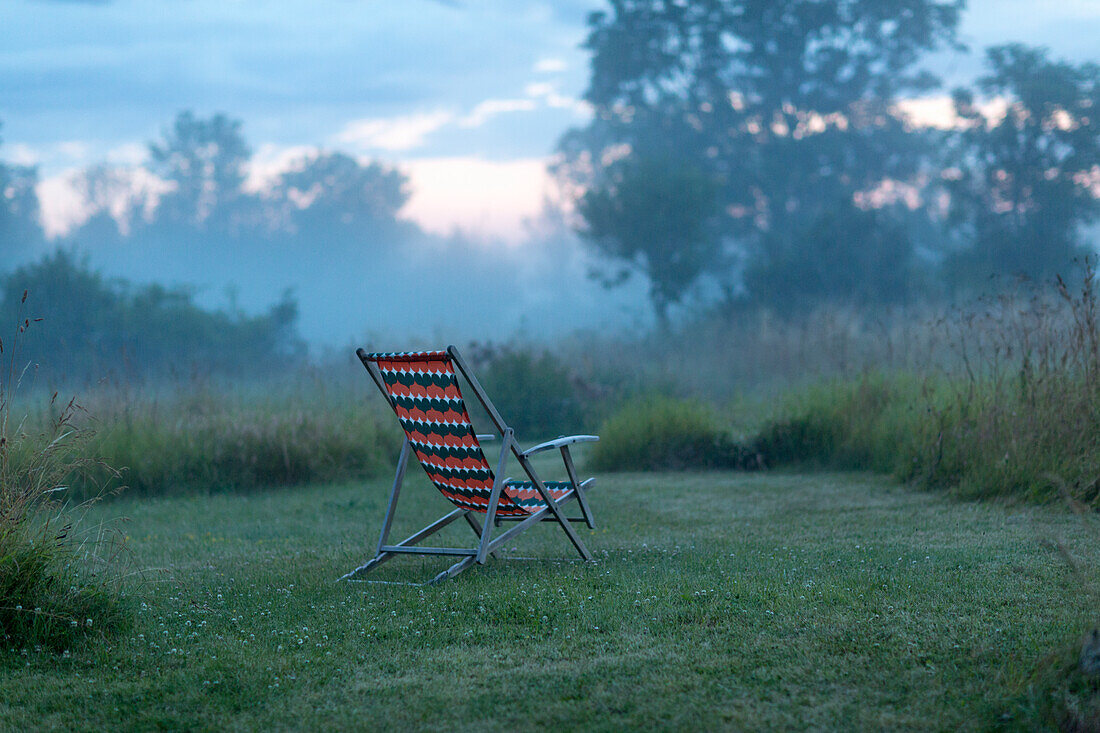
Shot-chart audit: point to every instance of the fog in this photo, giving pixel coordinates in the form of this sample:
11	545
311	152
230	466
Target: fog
771	157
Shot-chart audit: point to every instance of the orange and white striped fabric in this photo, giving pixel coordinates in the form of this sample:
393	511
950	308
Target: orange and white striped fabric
426	397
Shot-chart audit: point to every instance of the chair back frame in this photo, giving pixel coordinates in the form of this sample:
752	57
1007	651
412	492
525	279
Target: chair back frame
487	544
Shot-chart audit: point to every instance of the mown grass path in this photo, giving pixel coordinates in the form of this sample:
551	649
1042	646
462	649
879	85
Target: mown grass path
718	601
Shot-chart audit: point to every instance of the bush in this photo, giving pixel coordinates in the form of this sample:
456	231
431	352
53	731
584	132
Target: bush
662	433
112	328
1017	416
534	392
863	424
52	588
49	596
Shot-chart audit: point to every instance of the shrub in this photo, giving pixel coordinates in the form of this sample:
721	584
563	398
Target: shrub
112	328
662	433
49	596
862	424
1016	414
52	588
534	392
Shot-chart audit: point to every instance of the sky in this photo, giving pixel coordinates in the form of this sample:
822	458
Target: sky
467	96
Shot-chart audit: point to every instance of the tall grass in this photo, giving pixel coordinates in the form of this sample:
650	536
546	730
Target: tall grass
216	440
1014	412
56	581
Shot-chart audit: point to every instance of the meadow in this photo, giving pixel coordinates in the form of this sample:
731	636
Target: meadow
717	600
842	523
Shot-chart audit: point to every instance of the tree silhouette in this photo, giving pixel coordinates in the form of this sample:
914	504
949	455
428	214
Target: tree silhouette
205	162
790	104
335	193
1025	183
656	217
20	230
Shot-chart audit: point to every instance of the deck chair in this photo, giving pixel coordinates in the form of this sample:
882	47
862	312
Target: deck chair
423	390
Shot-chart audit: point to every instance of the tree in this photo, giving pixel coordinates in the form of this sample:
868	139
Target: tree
335	192
108	192
858	258
1025	184
205	161
656	217
791	104
94	326
20	230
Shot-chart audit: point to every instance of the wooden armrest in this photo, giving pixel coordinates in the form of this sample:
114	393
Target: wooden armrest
560	442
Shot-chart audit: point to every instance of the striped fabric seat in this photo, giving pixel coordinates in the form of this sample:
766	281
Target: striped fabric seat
423	389
425	395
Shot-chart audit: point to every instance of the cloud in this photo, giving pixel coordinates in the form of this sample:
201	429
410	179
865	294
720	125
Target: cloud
484	198
939	112
128	154
62	207
548	93
550	65
22	154
132	192
393	134
270	161
54	155
490	108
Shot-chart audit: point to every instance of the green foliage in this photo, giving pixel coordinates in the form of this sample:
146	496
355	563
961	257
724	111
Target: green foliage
1020	187
861	424
49	596
662	433
534	392
1016	417
54	588
95	327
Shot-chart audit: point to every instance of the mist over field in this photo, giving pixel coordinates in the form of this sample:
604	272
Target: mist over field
696	240
451	172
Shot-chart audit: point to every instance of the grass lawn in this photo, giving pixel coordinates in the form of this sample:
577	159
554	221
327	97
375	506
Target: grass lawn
717	601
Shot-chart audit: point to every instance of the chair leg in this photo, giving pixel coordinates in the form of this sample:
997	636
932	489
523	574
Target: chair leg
464	564
553	507
494	497
391	509
474	525
386	552
582	500
398	479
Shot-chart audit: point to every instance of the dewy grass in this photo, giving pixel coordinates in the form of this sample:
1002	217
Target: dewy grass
718	601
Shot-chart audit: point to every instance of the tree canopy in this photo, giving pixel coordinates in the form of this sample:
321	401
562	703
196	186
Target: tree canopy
94	327
1023	183
19	226
789	105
